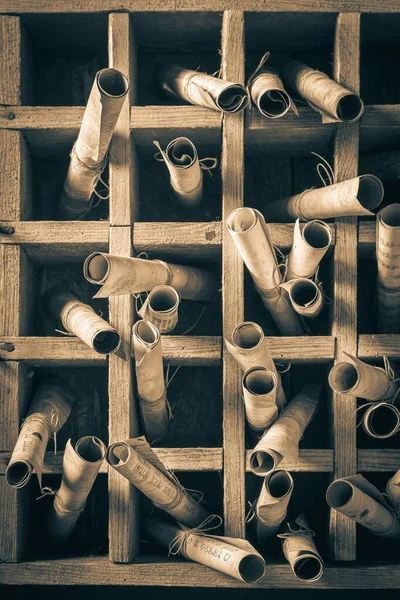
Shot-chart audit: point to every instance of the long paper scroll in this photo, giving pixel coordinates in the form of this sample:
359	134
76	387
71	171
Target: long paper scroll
161	308
119	275
150	379
322	93
139	463
306	297
204	90
356	197
301	552
48	411
309	247
272	504
81	320
89	154
259	386
81	465
359	500
232	556
282	439
393	488
250	235
388	257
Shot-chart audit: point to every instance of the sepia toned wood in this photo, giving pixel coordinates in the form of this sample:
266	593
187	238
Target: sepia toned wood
15	54
378	345
378	460
49	351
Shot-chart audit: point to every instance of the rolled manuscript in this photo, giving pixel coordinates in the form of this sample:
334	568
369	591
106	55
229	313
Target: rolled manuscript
249	348
139	463
271	506
301	552
119	275
89	154
204	90
82	320
269	95
150	379
48	411
362	502
259	394
322	93
356	197
80	467
161	308
282	439
250	235
309	247
232	556
362	380
388	257
381	420
306	297
393	489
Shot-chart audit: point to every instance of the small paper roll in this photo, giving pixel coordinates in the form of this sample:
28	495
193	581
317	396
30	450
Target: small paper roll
161	308
232	556
301	552
48	411
204	90
393	488
362	380
306	297
150	379
259	386
166	493
356	197
184	168
359	500
309	247
282	439
119	275
88	157
388	257
80	468
272	504
249	348
322	93
269	95
381	420
81	320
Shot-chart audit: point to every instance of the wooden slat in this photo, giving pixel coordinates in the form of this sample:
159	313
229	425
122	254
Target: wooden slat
378	345
232	69
192	350
366	238
49	351
309	461
378	460
347	43
15	53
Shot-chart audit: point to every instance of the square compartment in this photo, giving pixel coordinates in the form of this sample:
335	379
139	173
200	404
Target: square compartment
366	295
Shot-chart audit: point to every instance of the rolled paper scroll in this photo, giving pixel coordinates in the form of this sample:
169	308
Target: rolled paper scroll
119	275
362	380
250	235
48	411
301	552
82	320
322	93
306	297
355	197
89	154
184	168
232	556
393	488
271	506
362	502
381	420
259	393
249	348
388	257
309	247
161	308
150	379
80	467
269	95
282	439
204	90
139	463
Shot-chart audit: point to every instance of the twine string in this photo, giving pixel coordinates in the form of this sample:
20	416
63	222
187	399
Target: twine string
251	513
177	545
46	491
296	532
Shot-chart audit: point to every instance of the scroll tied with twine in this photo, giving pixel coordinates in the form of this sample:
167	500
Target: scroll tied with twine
268	93
259	386
380	420
233	556
306	297
140	464
362	502
310	245
48	411
150	379
120	275
204	90
388	257
282	439
393	489
301	552
161	308
271	507
89	154
81	465
81	320
250	234
322	93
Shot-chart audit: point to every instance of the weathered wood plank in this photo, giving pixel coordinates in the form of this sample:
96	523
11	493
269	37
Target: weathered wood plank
378	345
15	53
49	351
309	461
378	460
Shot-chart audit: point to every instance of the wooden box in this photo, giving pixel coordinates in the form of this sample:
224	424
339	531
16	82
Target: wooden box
49	52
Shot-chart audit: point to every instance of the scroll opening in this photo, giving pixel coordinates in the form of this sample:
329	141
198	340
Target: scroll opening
90	449
247	335
339	493
304	293
147	332
259	381
262	462
252	568
308	568
317	234
242	220
164	300
113	83
350	108
181	153
383	420
343	377
273	102
370	192
97	267
117	454
18	473
106	342
231	98
391	215
279	484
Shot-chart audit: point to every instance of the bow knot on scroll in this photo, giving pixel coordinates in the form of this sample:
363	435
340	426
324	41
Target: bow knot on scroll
177	545
296	532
